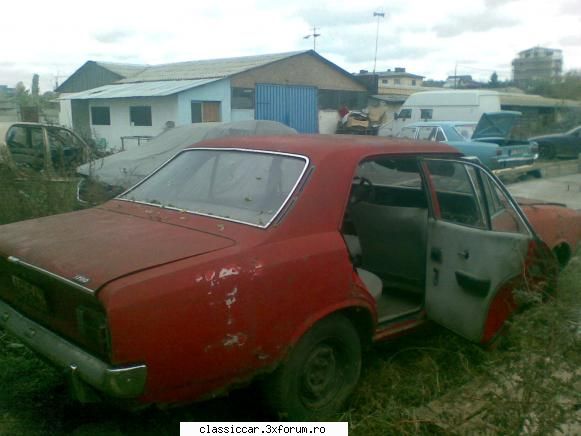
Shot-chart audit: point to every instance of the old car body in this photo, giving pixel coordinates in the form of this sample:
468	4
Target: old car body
106	177
488	139
567	144
46	149
270	257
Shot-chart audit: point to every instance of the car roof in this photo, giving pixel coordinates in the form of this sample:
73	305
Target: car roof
320	147
5	125
333	161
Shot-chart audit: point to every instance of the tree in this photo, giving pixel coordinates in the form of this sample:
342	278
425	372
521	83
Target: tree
493	82
34	88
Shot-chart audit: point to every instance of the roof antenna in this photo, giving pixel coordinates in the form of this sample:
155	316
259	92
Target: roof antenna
315	35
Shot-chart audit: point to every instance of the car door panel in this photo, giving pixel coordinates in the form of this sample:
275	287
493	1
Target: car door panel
475	263
468	263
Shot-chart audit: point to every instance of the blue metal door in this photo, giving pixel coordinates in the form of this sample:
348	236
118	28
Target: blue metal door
295	106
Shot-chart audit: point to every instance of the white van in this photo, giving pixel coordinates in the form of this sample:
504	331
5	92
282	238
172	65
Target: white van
444	105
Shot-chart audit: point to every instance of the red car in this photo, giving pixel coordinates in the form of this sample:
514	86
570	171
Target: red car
277	258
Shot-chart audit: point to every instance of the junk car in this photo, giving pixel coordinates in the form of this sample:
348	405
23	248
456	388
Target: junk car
566	144
41	148
278	259
489	139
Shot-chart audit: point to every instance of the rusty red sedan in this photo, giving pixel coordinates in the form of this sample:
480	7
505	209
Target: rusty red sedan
271	258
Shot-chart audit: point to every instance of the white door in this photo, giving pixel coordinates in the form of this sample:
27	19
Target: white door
474	249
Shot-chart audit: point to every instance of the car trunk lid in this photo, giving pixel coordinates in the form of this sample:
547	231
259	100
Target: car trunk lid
495	125
95	246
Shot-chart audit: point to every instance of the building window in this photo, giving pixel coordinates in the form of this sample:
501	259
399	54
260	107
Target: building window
242	98
140	115
205	111
426	114
334	99
397	81
413	83
100	116
404	114
385	81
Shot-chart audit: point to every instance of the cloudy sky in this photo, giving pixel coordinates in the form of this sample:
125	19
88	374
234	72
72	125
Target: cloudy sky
430	38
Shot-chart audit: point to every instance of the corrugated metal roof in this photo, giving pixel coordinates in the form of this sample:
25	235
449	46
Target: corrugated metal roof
124	70
514	99
205	69
141	89
390	98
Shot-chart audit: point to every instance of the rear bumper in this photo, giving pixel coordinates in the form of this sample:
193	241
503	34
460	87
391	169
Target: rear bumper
118	382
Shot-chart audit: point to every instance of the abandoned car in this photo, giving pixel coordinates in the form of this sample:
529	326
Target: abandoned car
272	258
490	139
566	144
41	148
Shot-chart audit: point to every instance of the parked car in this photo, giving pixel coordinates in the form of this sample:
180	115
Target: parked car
489	139
277	258
104	178
35	148
566	144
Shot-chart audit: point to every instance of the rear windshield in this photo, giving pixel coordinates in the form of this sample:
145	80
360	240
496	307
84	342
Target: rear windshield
238	185
465	130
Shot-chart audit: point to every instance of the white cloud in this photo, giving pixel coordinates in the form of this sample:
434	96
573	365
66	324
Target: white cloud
427	38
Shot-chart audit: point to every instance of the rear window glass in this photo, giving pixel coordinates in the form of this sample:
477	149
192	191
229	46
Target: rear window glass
465	130
243	186
407	132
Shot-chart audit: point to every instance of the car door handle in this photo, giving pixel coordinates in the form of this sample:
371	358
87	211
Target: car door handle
464	254
436	254
474	285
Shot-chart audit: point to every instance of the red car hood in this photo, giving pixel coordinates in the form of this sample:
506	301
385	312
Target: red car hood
95	246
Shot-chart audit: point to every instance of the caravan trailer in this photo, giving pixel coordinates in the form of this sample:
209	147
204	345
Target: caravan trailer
444	105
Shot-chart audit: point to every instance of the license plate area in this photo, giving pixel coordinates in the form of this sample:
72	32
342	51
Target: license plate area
29	294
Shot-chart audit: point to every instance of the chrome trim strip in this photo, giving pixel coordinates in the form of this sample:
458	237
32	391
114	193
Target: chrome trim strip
284	203
17	261
119	382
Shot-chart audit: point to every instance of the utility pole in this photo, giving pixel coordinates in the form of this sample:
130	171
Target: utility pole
315	35
456	75
378	15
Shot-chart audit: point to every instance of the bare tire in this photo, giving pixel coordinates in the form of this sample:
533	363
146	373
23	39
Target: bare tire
319	374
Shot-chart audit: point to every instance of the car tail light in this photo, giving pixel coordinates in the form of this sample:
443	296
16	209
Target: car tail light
93	328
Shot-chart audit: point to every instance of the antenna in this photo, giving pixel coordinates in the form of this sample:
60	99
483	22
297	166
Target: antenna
315	35
378	15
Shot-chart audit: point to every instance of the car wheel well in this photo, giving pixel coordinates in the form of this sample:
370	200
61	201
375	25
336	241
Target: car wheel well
562	253
362	321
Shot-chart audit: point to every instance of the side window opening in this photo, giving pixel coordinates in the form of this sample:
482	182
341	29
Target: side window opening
426	114
501	213
456	194
385	229
408	132
66	151
26	146
404	114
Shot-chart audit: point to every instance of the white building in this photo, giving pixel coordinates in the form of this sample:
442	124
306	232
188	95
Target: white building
300	89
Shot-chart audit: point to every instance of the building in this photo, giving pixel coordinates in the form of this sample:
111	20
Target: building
462	82
388	90
122	105
537	63
396	82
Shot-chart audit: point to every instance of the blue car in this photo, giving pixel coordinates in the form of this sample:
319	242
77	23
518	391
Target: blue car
489	139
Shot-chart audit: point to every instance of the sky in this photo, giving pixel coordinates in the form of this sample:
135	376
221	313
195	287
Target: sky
430	38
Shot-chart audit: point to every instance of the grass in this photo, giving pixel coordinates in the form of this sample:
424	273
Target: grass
432	382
